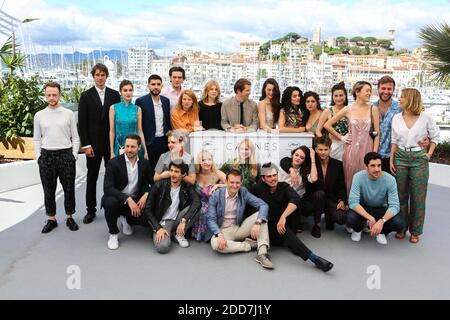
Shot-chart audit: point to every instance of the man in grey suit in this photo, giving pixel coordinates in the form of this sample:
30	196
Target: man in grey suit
239	113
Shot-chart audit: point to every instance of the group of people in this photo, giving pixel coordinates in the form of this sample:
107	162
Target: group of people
368	163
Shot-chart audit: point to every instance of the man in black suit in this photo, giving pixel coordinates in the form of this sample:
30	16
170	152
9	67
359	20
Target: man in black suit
329	189
126	188
93	122
155	119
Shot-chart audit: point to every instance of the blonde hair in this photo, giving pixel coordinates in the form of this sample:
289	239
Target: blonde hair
191	95
198	163
252	159
208	87
412	101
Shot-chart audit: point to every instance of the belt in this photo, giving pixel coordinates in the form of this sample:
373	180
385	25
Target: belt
409	149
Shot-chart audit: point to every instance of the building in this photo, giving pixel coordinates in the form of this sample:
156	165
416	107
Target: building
316	35
249	48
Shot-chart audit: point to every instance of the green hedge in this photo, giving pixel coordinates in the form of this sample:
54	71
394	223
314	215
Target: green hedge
20	99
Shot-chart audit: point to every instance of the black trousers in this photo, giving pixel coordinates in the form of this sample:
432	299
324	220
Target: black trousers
54	164
289	237
114	209
357	222
93	168
322	203
155	150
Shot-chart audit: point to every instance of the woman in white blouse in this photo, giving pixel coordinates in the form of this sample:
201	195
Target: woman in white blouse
409	162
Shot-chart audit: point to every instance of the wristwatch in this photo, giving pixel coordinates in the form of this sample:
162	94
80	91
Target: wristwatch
183	220
384	220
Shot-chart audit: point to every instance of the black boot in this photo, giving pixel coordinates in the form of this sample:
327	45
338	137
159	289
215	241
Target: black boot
323	264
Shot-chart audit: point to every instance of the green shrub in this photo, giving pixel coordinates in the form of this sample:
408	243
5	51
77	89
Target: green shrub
20	99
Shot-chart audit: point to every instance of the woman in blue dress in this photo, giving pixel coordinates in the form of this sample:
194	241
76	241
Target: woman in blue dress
125	118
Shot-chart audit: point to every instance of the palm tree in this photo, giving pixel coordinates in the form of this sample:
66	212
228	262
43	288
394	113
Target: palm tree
437	42
9	57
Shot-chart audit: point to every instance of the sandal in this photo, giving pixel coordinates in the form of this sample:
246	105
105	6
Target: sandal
414	239
400	235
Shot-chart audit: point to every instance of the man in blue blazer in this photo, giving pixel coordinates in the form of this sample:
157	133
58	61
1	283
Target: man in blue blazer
229	229
155	120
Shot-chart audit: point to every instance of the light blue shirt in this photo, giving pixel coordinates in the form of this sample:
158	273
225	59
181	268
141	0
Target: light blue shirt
374	193
385	128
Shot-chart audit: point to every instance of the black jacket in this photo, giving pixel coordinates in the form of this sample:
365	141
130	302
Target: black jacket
116	178
334	185
93	118
159	201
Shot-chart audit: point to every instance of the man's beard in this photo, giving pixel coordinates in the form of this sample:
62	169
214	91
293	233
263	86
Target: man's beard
381	98
155	94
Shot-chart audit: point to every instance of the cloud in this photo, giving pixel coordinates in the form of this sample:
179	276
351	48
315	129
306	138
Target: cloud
221	25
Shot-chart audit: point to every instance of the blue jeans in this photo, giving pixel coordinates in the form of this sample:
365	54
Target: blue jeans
357	222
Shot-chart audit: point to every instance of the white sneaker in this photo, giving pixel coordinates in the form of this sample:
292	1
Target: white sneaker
356	236
113	242
381	239
349	230
182	241
126	228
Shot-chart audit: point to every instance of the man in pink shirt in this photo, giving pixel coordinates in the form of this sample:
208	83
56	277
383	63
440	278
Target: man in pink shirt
177	76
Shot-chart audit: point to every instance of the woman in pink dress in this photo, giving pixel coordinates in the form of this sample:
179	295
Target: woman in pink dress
358	141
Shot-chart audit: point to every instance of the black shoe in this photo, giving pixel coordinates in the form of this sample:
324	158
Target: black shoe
49	226
71	224
315	232
329	225
323	264
89	217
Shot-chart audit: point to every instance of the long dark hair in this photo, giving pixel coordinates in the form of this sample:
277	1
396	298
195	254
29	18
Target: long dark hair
286	99
306	112
305	168
275	101
336	87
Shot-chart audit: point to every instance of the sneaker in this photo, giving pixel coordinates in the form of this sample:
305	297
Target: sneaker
349	230
381	239
182	241
71	224
263	259
253	243
356	236
113	242
49	226
126	228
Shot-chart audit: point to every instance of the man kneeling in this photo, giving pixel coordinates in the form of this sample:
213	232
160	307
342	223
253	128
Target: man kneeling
172	208
373	200
226	221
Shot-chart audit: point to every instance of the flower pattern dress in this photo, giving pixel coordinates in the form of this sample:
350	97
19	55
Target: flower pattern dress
201	226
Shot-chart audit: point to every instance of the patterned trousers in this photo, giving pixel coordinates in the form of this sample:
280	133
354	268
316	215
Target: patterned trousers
412	182
54	164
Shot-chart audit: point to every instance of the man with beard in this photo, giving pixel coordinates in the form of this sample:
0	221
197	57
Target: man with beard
155	120
56	144
388	108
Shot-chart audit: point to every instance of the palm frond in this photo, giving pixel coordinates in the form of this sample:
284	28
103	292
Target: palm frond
436	39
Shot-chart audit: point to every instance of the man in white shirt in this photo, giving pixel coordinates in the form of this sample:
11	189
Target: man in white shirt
93	111
56	145
126	188
177	76
155	120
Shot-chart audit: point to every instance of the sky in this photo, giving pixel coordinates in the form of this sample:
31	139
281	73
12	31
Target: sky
167	25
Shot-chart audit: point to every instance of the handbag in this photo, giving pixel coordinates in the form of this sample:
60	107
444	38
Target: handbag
372	132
